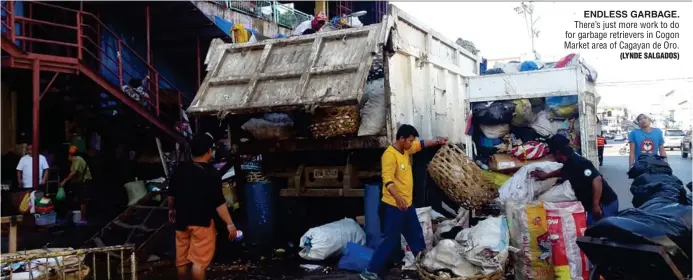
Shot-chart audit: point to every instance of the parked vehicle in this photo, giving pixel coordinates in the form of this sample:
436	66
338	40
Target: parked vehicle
559	82
423	77
672	138
686	144
625	149
619	137
609	136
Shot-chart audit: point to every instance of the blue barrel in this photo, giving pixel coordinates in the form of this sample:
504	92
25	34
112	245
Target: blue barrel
259	199
372	198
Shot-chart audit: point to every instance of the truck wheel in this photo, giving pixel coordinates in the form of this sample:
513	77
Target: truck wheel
684	154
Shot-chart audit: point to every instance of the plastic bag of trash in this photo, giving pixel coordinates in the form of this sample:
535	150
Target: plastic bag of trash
492	113
566	222
529	233
373	113
486	244
543	126
495	131
447	255
263	129
426	220
649	164
356	257
561	193
649	186
321	242
523	188
523	115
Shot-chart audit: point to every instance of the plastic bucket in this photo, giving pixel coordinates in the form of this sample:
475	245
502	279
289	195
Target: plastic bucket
45	219
76	216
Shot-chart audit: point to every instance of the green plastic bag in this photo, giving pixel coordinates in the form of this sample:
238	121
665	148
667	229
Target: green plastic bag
61	194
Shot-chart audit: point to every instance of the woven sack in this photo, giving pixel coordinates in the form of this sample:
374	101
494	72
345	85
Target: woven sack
335	121
460	178
425	275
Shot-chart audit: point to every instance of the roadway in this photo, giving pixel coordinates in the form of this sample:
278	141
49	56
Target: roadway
616	166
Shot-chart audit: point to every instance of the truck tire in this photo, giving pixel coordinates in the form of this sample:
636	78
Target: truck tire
684	154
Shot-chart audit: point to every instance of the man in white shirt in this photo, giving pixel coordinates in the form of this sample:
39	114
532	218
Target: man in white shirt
24	170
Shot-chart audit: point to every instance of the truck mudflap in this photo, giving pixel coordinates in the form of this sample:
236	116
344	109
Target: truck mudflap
293	73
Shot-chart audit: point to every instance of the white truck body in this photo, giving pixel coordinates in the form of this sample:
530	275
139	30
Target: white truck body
425	77
544	83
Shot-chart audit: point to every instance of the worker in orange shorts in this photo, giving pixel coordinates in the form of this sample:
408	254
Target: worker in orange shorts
195	197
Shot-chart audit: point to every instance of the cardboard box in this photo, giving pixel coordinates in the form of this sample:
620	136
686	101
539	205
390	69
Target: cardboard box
508	164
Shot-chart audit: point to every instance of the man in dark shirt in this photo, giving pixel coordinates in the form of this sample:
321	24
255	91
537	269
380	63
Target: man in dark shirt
195	196
590	188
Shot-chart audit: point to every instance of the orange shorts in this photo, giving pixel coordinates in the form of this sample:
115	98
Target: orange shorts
196	245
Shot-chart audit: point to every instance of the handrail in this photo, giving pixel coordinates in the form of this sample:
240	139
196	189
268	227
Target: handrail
85	43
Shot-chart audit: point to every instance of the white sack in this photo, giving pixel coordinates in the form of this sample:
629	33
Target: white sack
373	113
560	193
521	187
263	129
448	255
321	242
542	125
486	244
495	131
426	221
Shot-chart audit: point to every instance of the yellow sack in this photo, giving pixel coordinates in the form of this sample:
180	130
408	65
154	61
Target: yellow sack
497	178
24	206
529	232
564	111
230	196
523	116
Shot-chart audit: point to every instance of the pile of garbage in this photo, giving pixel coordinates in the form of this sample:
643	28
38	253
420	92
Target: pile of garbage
510	134
662	215
569	60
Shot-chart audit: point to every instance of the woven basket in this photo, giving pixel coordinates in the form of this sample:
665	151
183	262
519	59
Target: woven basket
460	178
335	121
425	275
254	177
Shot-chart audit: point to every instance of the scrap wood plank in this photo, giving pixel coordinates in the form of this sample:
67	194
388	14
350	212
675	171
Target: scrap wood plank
12	220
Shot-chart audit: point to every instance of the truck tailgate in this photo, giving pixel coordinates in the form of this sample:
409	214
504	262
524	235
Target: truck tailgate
290	73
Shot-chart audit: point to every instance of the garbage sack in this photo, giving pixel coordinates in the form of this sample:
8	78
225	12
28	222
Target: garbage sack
564	112
443	228
648	186
657	223
498	178
373	112
529	233
486	244
321	242
525	134
491	113
447	255
566	222
356	257
135	191
649	164
543	126
279	118
488	142
263	129
560	193
530	65
426	220
560	101
495	131
530	150
523	115
523	188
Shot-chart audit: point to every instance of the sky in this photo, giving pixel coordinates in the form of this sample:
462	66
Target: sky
499	32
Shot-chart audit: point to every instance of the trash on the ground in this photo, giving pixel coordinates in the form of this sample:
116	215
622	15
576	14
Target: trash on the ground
522	188
425	219
356	257
280	251
311	267
321	242
47	268
486	244
448	255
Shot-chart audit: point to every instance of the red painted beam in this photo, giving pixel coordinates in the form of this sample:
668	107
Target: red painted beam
36	81
117	93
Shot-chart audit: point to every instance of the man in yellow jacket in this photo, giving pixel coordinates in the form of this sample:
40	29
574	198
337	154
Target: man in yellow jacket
397	215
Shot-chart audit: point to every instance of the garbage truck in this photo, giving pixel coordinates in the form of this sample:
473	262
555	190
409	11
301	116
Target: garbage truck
321	108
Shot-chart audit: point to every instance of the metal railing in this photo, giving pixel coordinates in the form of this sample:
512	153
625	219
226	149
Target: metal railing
79	34
271	11
91	263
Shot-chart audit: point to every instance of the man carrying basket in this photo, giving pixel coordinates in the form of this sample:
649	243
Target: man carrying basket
397	216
